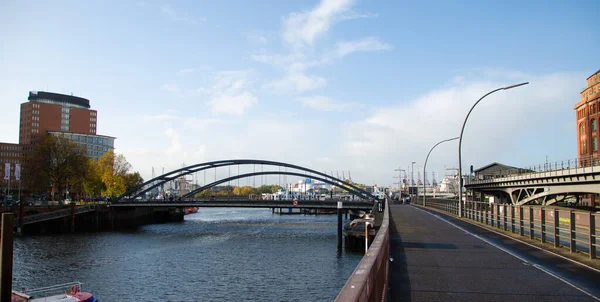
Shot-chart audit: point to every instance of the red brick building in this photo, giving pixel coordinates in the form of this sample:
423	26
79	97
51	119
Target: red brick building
48	113
587	115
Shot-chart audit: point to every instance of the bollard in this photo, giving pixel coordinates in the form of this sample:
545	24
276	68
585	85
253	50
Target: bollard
6	256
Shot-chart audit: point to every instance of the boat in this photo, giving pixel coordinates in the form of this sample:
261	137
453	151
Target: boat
68	292
190	210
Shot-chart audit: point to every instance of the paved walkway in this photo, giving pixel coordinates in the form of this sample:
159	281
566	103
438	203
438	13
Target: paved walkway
435	261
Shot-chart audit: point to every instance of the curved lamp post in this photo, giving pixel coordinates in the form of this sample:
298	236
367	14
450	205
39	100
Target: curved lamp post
460	179
425	165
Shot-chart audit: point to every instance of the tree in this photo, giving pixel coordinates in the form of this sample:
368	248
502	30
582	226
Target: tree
56	162
93	184
133	180
113	170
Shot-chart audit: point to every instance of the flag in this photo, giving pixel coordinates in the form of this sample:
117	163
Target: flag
6	171
18	172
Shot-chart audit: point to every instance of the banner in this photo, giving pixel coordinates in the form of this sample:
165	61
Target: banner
18	172
6	171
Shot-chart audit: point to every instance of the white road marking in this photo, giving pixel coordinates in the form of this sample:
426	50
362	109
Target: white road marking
512	254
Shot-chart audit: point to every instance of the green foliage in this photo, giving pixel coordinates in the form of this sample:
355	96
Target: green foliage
55	163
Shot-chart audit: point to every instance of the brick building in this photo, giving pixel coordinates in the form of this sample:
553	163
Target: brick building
587	115
48	113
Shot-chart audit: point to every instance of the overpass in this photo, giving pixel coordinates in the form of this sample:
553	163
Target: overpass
544	188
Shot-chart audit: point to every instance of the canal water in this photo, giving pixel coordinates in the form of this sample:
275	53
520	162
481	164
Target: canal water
214	255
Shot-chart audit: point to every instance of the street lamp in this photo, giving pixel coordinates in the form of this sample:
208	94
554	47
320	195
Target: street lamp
425	165
412	177
460	179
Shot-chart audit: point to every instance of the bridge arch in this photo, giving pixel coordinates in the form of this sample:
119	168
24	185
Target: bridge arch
224	180
169	176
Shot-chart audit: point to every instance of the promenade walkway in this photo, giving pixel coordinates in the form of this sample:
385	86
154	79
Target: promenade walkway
434	260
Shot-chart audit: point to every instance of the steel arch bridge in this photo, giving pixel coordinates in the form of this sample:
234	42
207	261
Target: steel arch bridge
169	176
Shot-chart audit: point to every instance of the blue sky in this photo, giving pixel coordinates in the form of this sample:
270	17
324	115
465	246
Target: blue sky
360	86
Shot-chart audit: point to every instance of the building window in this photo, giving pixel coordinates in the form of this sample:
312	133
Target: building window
582	128
594	125
595	144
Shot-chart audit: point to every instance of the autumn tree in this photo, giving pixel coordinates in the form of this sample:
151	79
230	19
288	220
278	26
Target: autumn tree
56	162
114	174
93	184
133	180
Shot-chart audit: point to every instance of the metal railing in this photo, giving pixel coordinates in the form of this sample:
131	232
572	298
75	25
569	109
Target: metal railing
55	214
587	163
368	282
571	229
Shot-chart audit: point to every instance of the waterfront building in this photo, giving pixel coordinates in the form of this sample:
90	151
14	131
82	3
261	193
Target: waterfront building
48	113
587	116
12	155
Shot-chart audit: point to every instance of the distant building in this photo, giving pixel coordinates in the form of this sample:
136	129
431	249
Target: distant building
495	169
11	154
47	113
587	116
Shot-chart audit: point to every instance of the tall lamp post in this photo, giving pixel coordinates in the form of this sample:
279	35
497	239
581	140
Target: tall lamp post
412	177
460	179
425	165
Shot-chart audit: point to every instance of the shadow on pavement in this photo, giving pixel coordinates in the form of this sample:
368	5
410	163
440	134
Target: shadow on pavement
399	280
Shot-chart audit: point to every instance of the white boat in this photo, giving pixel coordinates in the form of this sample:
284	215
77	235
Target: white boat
68	292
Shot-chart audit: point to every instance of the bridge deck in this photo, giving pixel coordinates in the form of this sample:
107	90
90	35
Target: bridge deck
436	261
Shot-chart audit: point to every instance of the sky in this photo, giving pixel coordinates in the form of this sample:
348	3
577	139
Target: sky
333	85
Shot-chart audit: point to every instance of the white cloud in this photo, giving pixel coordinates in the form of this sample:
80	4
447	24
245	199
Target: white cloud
499	129
230	92
159	117
324	103
171	87
365	44
300	33
176	17
256	38
296	82
185	71
235	104
301	29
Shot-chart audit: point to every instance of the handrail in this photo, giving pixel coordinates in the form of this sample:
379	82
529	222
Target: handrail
368	282
575	230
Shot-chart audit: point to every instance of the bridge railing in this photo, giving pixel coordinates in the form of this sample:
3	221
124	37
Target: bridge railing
56	214
584	164
561	228
368	282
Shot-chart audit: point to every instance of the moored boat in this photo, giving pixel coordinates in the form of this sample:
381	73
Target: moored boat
190	210
68	292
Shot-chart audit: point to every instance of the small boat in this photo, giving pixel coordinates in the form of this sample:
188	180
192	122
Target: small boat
190	210
68	292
